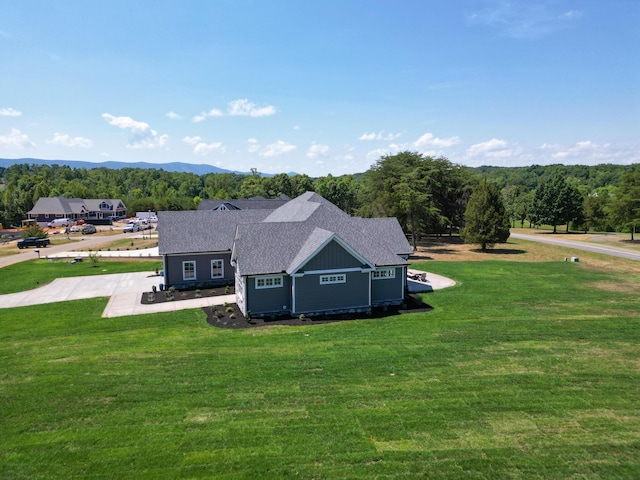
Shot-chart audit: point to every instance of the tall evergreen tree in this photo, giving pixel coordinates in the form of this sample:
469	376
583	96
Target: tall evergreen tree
486	218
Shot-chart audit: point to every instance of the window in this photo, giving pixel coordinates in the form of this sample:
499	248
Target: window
189	270
384	273
217	269
269	282
328	279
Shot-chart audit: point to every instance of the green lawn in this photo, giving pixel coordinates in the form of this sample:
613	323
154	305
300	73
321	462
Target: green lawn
35	273
523	370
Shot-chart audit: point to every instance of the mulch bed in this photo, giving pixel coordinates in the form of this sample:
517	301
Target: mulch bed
230	316
167	296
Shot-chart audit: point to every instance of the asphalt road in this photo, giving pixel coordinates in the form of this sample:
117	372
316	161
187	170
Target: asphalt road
83	242
589	247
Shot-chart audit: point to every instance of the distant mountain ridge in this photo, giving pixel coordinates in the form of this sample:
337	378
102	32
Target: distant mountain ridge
198	169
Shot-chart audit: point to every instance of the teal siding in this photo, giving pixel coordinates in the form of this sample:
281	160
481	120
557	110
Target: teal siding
312	297
388	290
267	301
332	256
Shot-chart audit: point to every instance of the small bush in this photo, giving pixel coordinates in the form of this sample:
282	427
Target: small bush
227	289
229	309
232	316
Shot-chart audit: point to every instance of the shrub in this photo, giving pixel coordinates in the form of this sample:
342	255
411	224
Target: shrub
233	315
227	289
229	309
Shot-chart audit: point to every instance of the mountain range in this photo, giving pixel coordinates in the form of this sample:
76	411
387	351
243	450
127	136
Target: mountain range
198	169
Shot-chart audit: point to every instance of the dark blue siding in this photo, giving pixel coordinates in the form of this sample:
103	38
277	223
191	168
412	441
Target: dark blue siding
312	297
267	301
386	291
332	256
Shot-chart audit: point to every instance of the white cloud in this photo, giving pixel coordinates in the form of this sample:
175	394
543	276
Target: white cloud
429	140
173	116
202	148
379	136
9	112
214	112
591	153
379	152
67	141
207	148
243	107
16	139
238	108
192	140
493	148
254	145
277	148
523	19
316	150
142	135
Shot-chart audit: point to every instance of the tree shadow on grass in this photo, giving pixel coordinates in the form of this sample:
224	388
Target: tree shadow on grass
499	251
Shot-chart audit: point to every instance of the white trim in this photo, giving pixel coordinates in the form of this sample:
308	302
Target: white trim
195	275
383	274
333	278
221	262
272	281
331	271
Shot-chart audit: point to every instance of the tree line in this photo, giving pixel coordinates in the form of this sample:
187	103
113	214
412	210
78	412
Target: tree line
428	195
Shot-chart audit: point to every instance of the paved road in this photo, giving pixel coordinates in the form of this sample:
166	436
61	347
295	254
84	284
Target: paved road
83	242
587	246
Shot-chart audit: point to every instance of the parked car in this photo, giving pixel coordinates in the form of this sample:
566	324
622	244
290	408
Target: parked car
58	222
87	229
74	229
33	242
132	227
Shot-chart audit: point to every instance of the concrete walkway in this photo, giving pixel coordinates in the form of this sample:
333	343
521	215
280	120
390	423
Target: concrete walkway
431	283
125	289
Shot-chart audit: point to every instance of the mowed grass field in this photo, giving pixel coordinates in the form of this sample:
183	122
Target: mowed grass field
524	369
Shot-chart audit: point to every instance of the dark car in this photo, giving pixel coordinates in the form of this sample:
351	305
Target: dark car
33	242
88	229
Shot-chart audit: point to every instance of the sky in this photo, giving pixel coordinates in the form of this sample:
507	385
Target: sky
321	86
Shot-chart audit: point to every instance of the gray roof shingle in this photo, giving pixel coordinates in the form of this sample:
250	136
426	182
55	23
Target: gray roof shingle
198	231
280	241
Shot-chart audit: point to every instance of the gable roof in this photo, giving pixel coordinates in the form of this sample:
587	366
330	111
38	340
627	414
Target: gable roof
253	203
58	206
198	231
282	240
93	204
70	206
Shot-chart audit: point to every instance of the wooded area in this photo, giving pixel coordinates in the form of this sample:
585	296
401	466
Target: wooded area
427	195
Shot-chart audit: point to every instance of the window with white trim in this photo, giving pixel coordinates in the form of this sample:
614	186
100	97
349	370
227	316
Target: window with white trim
383	273
217	268
189	270
269	282
335	278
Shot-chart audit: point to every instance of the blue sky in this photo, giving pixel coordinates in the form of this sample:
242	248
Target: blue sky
323	86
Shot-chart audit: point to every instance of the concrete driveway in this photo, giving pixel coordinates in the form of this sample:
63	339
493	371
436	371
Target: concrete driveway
124	289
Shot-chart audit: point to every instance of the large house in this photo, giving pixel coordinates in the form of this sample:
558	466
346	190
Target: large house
94	210
305	257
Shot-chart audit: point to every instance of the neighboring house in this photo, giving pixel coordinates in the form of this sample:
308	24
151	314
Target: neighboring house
305	257
253	203
48	209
